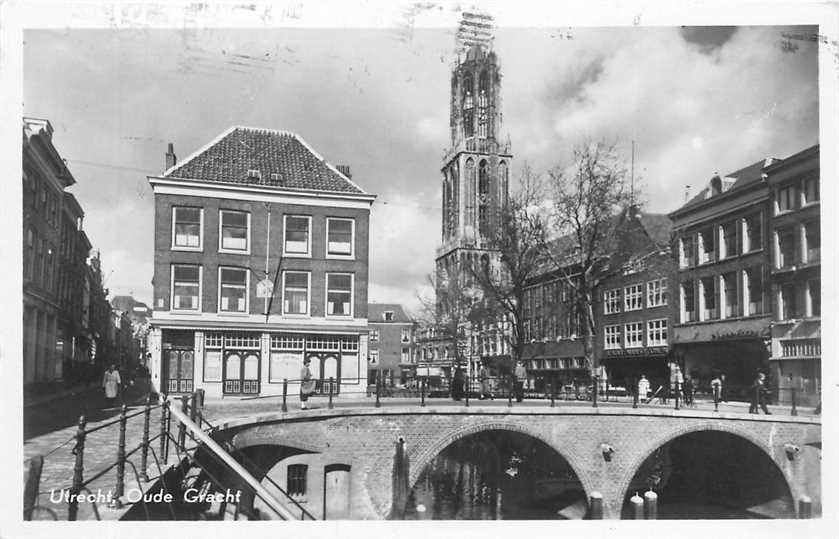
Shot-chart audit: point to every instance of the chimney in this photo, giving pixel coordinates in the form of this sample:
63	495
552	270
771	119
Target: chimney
345	170
171	158
687	193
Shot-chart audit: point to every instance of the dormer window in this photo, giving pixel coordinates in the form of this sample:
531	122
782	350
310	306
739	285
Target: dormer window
716	186
388	316
254	174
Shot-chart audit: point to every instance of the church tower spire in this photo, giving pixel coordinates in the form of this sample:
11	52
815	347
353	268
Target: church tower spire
476	168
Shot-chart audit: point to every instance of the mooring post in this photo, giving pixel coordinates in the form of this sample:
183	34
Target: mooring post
594	392
676	396
331	386
794	410
378	386
422	391
596	506
285	395
651	505
637	507
163	430
510	383
468	386
78	470
805	507
182	427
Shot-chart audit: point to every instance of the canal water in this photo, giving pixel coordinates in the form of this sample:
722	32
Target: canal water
497	475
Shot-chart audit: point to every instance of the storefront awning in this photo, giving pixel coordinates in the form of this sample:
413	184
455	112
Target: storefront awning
725	330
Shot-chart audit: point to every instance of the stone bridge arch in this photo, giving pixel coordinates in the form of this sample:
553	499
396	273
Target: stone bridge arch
424	457
644	451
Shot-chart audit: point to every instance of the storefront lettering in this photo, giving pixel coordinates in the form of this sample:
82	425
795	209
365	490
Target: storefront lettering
738	334
624	352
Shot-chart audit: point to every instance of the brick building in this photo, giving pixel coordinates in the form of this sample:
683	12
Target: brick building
261	260
722	294
391	348
45	176
795	276
634	317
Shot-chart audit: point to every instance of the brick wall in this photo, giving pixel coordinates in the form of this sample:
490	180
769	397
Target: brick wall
211	259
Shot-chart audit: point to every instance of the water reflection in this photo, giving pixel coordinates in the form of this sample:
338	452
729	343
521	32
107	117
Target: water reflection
497	475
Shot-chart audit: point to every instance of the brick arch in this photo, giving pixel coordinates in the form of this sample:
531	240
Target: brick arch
647	450
425	457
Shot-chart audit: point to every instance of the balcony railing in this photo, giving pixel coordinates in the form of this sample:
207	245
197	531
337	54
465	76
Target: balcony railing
801	348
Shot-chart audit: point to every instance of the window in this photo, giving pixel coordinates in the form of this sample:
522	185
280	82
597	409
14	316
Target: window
406	355
339	294
657	292
633	334
187	227
814	297
613	338
633	297
785	199
483	178
754	233
686	253
729	282
186	288
483	90
374	335
406	335
754	287
706	245
297	235
388	316
235	231
296	479
374	357
28	253
468	107
233	290
813	239
811	190
295	292
612	301
709	298
688	302
786	247
729	240
789	307
657	332
339	237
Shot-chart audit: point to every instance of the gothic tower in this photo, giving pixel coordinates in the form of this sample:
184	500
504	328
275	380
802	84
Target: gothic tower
476	168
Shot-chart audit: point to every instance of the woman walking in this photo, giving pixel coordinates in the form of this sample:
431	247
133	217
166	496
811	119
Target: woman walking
111	382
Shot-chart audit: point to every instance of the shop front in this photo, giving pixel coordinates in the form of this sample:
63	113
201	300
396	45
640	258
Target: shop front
624	366
243	363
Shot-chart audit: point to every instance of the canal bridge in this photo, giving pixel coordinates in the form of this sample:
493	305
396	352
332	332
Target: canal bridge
349	452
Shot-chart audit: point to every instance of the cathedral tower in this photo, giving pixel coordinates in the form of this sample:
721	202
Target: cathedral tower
476	169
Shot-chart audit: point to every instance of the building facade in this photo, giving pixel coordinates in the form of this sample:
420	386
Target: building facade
795	273
724	308
634	316
261	260
391	349
45	176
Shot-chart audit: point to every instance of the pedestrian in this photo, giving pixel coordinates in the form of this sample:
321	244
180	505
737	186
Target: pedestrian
111	383
643	388
676	380
716	389
759	395
521	378
688	390
723	389
307	385
483	376
457	384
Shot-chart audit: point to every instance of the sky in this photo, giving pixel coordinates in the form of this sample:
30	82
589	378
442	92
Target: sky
696	101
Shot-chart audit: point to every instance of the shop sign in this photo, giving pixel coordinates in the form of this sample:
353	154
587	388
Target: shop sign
636	352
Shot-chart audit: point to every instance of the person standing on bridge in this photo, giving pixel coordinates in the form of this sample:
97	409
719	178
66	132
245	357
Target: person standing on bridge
483	375
307	385
643	388
759	395
521	378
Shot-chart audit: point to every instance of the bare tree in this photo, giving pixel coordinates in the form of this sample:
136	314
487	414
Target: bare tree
587	195
517	240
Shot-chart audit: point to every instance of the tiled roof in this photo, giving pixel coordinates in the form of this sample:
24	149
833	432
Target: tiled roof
743	178
375	312
658	227
283	159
